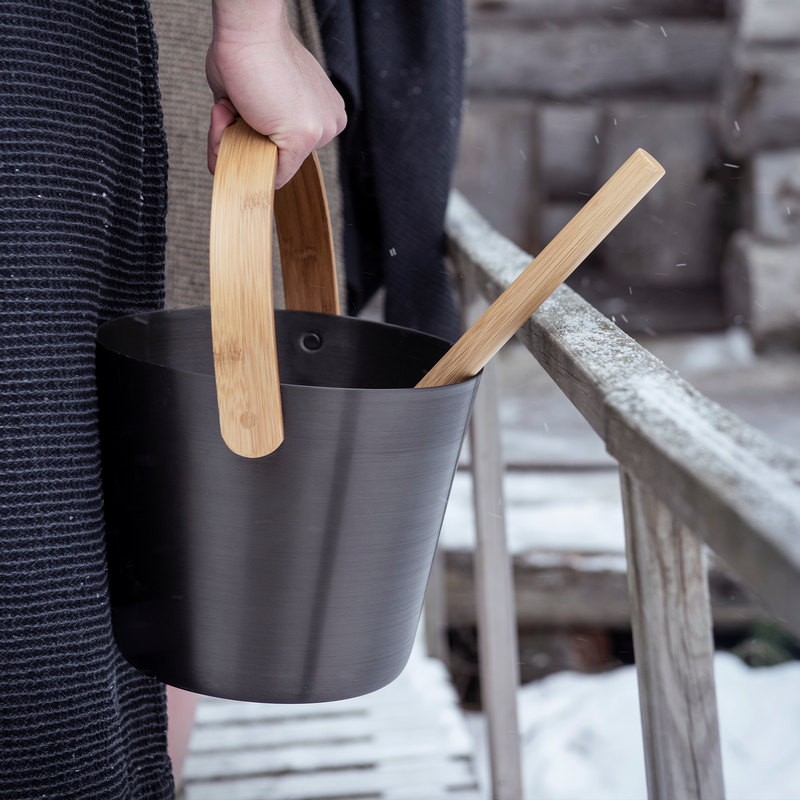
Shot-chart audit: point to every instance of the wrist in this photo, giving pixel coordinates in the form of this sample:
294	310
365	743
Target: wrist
246	19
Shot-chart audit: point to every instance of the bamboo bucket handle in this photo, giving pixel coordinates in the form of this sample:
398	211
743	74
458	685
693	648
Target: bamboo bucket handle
240	260
303	221
626	187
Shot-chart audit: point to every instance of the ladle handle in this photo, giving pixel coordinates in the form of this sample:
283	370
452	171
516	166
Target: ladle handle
626	187
240	256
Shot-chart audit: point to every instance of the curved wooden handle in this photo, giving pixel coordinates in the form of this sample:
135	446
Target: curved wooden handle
242	321
304	234
623	190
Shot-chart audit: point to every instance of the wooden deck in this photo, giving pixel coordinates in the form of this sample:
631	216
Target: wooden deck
408	740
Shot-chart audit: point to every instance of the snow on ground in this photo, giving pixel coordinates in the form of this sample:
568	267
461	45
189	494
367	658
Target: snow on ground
581	734
545	510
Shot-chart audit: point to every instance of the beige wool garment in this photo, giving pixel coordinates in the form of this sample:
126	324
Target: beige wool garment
183	28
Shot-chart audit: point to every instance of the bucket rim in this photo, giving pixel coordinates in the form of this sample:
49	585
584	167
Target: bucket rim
347	320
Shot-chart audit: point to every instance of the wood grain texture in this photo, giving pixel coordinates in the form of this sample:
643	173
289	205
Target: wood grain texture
673	237
761	283
582	590
773	21
596	59
406	740
570	156
775	195
304	234
498	165
728	483
498	651
538	11
758	106
243	326
435	615
674	647
626	187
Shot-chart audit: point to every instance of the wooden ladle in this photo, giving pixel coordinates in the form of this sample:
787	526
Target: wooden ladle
240	256
623	190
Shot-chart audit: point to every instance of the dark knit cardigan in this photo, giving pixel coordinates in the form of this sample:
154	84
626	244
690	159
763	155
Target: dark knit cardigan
82	206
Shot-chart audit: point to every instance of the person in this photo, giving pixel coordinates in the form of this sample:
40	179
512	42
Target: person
83	165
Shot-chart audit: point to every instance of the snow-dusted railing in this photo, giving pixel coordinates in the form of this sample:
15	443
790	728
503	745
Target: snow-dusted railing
690	473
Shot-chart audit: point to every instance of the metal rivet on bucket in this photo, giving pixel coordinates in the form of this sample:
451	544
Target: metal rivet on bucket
312	341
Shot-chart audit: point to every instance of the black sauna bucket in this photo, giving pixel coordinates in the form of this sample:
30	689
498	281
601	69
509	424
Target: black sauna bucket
296	577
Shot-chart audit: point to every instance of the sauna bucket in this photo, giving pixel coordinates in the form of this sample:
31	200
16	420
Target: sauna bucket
298	576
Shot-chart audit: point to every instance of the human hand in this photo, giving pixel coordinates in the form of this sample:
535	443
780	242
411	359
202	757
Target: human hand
257	67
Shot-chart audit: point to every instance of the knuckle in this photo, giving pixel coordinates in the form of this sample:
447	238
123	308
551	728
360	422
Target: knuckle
308	136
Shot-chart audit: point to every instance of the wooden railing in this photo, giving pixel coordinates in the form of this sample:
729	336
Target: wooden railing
691	474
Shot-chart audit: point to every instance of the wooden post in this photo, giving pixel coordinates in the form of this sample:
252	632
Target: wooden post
498	650
674	648
436	610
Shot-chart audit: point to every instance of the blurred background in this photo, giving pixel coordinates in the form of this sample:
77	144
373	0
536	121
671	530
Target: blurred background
705	273
561	93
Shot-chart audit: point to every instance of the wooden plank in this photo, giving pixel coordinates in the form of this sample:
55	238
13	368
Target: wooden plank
496	616
673	236
392	705
570	160
582	590
498	165
217	711
307	757
400	781
232	736
731	485
761	287
253	734
546	596
482	12
775	197
769	21
596	60
674	651
435	613
405	740
758	109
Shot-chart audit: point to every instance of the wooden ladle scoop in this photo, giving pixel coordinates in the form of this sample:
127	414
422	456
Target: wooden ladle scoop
626	187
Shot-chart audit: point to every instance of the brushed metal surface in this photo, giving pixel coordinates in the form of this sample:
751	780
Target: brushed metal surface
296	577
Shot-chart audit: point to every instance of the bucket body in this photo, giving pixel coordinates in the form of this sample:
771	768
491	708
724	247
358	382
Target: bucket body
296	577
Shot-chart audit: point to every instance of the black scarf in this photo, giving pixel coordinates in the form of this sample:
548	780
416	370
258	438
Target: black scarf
399	64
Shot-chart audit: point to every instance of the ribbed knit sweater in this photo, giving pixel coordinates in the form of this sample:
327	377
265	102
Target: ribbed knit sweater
82	206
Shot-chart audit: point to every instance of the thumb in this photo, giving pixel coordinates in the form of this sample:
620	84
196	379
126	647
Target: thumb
223	114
